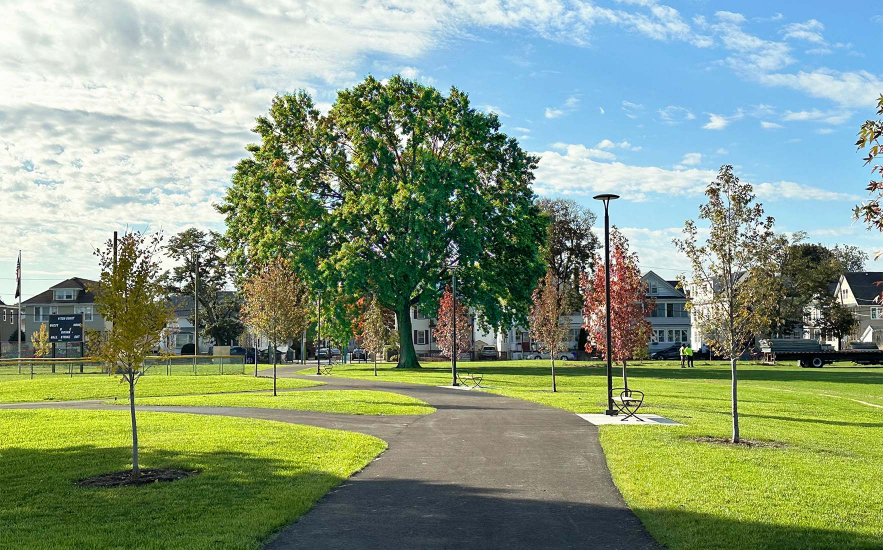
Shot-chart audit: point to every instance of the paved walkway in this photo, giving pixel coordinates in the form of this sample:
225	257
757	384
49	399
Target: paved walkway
483	472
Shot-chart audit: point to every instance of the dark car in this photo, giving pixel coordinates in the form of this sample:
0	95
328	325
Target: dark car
489	352
263	356
671	352
323	353
237	350
359	354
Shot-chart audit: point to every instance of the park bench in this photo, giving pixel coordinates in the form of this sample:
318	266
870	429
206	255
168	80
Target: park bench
325	368
469	380
628	402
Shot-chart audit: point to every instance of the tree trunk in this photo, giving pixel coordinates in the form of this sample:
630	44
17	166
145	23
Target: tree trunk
735	402
554	386
255	361
274	369
407	354
625	377
136	470
375	364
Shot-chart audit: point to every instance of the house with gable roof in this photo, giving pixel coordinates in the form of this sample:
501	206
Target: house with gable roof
669	319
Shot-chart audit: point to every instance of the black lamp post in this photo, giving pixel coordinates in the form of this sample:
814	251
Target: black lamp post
454	325
606	198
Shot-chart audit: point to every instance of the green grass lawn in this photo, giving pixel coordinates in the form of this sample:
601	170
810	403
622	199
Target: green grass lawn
103	387
823	489
334	401
256	476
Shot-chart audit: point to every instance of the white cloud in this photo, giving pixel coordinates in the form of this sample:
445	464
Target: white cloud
493	109
828	117
674	114
632	110
554	113
692	159
722	151
583	152
605	144
601	109
810	31
848	89
795	191
719	122
770	125
825	131
819	51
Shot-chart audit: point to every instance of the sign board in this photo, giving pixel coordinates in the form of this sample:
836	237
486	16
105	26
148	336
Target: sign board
66	328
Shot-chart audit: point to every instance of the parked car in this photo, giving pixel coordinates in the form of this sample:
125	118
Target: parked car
536	355
237	350
263	356
323	353
489	352
567	355
359	354
671	352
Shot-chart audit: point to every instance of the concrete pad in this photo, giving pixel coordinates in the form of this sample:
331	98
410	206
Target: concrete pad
648	420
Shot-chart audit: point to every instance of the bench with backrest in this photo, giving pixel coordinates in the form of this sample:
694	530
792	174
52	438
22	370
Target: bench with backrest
325	368
628	402
469	380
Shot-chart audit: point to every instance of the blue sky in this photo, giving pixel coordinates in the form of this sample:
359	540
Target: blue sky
119	114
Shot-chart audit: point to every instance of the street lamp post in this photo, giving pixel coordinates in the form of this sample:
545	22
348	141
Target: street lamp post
606	198
454	325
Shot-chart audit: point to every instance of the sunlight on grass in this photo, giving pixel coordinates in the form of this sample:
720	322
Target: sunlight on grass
363	402
103	387
255	477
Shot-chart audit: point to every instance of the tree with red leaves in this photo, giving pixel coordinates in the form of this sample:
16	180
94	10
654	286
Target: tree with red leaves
628	304
444	331
546	326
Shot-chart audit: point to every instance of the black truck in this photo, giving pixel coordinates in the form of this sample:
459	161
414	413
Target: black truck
810	353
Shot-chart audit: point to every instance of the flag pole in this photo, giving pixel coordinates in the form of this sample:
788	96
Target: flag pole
18	293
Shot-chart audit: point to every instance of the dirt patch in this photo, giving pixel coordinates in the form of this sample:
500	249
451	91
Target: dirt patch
123	479
742	442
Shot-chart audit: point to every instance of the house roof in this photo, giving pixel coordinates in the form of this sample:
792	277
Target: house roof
674	292
866	286
77	283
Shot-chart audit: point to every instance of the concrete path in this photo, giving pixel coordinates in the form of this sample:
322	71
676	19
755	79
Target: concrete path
483	472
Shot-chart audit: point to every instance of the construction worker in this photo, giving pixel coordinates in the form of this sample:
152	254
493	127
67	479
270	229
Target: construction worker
688	351
683	355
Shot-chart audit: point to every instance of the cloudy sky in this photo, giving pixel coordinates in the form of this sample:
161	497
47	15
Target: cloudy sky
118	114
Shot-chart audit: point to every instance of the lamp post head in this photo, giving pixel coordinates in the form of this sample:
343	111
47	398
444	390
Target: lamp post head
606	197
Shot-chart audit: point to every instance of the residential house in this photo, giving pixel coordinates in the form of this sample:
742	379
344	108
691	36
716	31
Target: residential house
180	331
69	296
669	319
8	336
860	292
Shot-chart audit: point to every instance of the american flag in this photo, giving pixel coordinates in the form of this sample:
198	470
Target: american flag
18	277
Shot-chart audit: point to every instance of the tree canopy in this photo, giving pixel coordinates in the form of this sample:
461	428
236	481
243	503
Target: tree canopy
378	196
869	136
200	253
570	248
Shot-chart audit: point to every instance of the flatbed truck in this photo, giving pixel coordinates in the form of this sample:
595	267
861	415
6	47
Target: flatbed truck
811	354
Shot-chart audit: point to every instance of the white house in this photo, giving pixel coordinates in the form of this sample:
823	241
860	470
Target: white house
669	319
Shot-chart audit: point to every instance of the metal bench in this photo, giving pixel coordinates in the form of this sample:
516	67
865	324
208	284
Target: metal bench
628	402
325	368
469	380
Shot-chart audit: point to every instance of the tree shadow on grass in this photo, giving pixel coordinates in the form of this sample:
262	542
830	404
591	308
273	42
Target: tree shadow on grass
816	421
237	500
374	514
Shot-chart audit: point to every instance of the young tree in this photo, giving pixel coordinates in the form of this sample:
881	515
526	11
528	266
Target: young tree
374	330
40	338
629	304
732	297
277	304
371	199
546	326
570	248
835	320
444	330
200	255
131	296
869	137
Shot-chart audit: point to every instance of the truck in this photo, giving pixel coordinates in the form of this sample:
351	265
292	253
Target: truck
811	354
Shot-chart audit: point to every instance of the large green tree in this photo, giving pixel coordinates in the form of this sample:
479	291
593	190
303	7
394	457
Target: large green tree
200	253
805	273
570	247
380	195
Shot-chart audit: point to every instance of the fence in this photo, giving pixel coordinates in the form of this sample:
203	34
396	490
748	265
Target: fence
175	365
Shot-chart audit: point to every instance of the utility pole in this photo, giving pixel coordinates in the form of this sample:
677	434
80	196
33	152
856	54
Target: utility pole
195	308
319	333
454	324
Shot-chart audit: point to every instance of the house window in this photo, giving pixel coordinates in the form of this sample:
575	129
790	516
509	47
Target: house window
652	287
421	337
659	311
64	294
4	314
844	293
877	313
86	311
418	315
42	313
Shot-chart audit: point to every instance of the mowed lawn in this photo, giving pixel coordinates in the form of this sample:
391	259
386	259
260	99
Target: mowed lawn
98	386
821	486
255	477
363	402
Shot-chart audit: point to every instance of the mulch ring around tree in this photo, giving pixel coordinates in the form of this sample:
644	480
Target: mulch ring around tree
750	443
124	479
